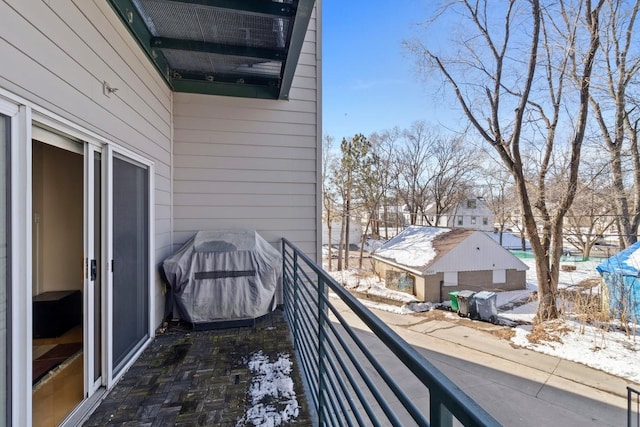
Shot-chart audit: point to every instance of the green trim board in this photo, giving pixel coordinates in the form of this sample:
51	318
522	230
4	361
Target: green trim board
296	40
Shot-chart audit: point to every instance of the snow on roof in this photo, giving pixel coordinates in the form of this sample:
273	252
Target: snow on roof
509	240
413	247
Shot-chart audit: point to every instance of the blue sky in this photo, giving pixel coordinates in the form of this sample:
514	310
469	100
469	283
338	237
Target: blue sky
369	82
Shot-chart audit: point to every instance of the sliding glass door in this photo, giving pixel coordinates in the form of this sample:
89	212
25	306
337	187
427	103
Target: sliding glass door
4	271
130	259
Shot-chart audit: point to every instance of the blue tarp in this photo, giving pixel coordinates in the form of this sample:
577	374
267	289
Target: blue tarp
621	275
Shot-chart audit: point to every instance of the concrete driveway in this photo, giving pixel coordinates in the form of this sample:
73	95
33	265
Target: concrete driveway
517	386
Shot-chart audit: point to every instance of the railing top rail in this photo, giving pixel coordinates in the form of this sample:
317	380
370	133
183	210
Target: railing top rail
468	410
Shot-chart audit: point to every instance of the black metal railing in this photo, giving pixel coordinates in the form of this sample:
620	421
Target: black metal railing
365	375
633	407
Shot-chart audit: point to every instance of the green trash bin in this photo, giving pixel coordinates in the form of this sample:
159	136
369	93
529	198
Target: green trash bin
453	297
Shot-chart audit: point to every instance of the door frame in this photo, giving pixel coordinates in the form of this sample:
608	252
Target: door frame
24	114
13	112
90	231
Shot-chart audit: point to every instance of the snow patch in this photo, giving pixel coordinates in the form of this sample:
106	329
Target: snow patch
607	350
271	393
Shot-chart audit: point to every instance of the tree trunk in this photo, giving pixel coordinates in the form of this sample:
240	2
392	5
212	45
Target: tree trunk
362	243
346	222
330	242
340	244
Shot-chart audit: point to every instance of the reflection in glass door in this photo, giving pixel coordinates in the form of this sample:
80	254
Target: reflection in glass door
130	317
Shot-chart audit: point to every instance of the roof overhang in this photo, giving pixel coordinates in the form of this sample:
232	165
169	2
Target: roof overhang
245	48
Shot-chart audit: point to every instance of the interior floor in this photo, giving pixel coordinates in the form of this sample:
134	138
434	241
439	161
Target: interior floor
60	390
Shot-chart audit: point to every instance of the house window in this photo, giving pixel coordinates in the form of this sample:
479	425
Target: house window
499	276
459	220
485	221
450	278
473	220
471	204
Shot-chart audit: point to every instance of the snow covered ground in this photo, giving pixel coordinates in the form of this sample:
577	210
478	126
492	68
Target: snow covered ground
605	346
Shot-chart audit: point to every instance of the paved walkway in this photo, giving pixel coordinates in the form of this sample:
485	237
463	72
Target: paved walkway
202	378
518	387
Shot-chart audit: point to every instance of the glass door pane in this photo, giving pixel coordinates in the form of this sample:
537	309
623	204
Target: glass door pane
130	259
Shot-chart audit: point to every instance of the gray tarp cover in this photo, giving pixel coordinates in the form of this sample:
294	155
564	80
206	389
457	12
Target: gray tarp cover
224	275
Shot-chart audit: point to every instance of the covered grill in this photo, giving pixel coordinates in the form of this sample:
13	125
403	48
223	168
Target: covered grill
224	276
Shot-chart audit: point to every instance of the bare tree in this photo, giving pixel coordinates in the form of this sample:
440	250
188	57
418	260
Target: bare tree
593	211
499	196
616	111
510	76
383	148
452	168
412	168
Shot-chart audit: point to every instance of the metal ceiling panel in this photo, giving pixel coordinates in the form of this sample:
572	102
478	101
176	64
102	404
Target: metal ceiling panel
221	42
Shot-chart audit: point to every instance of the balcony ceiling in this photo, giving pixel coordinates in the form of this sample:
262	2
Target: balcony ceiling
246	48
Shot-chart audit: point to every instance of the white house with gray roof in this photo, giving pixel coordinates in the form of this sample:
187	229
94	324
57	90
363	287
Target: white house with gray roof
429	262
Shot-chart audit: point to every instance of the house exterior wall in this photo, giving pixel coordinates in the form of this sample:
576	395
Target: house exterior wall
516	279
428	287
382	268
55	58
252	163
473	281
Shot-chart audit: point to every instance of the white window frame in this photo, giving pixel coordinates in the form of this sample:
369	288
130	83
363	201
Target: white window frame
450	278
500	276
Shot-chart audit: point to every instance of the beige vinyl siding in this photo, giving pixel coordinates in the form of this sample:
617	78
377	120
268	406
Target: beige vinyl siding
56	55
251	163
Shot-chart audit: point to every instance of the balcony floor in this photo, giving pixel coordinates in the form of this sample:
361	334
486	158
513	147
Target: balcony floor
202	378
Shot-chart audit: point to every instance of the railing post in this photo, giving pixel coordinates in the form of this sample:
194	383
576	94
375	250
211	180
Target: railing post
440	416
631	392
628	406
321	350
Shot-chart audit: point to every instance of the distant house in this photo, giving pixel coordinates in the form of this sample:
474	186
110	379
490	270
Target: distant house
355	233
429	262
470	213
621	282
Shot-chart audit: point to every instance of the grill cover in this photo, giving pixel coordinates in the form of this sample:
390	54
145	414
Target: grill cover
224	275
